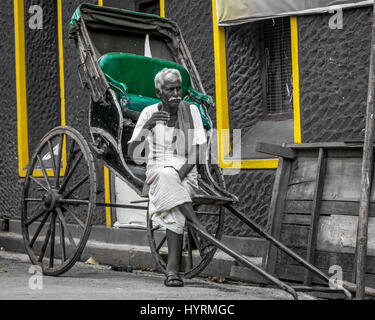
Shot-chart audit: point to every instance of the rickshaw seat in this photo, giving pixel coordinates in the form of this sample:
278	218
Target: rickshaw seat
132	78
136	73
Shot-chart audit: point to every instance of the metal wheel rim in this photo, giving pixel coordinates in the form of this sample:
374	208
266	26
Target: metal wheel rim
88	158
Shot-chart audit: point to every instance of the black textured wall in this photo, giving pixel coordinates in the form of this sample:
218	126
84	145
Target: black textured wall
42	73
150	6
195	21
245	75
246	108
254	189
334	68
10	187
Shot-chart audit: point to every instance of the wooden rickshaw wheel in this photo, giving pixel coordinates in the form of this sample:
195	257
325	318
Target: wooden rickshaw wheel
192	263
58	200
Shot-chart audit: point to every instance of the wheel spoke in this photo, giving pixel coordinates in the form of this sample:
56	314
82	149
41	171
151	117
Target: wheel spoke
75	201
67	178
38	182
75	217
194	237
190	251
77	186
207	213
38	230
44	247
35	218
161	243
57	173
52	245
52	157
44	171
33	199
62	243
62	219
70	157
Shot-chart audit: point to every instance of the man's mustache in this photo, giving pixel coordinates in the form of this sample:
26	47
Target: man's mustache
174	99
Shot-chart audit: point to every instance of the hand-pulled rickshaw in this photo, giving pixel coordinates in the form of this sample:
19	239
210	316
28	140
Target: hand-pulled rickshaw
120	53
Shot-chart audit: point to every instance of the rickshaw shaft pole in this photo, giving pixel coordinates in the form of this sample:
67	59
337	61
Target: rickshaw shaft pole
282	247
241	259
119	205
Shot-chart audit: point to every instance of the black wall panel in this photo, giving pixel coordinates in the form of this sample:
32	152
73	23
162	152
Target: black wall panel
10	186
42	73
245	75
334	67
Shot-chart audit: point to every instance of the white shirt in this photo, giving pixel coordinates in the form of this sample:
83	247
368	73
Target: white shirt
162	149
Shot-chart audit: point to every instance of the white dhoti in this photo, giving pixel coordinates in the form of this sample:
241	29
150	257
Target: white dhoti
166	193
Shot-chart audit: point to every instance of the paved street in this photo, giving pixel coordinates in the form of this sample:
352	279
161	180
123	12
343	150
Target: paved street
85	281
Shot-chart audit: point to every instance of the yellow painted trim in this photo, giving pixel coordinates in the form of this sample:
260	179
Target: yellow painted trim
62	77
222	117
61	61
162	8
295	72
250	164
22	134
107	188
107	196
222	110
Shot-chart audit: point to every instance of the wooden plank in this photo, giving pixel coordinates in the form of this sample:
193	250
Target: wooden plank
276	150
344	153
328	145
276	209
317	198
294	235
298	207
342	181
324	260
296	274
338	234
347	208
302	181
297	219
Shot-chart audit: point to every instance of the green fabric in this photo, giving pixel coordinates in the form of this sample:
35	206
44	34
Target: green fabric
76	16
138	102
205	118
132	78
138	72
201	98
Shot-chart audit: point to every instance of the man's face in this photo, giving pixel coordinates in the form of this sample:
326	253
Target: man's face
171	91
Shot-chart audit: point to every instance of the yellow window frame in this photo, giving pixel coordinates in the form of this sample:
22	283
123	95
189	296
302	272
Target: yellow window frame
222	111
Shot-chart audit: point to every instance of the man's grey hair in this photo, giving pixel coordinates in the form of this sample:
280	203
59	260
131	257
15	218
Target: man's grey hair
161	75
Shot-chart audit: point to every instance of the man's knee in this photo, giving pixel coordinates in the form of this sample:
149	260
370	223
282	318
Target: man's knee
167	173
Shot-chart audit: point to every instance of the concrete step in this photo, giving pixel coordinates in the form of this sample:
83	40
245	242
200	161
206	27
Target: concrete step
114	254
123	247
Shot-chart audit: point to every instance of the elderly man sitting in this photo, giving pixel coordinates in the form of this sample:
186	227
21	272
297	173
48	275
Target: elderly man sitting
172	128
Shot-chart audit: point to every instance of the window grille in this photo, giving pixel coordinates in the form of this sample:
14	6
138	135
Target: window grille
277	46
